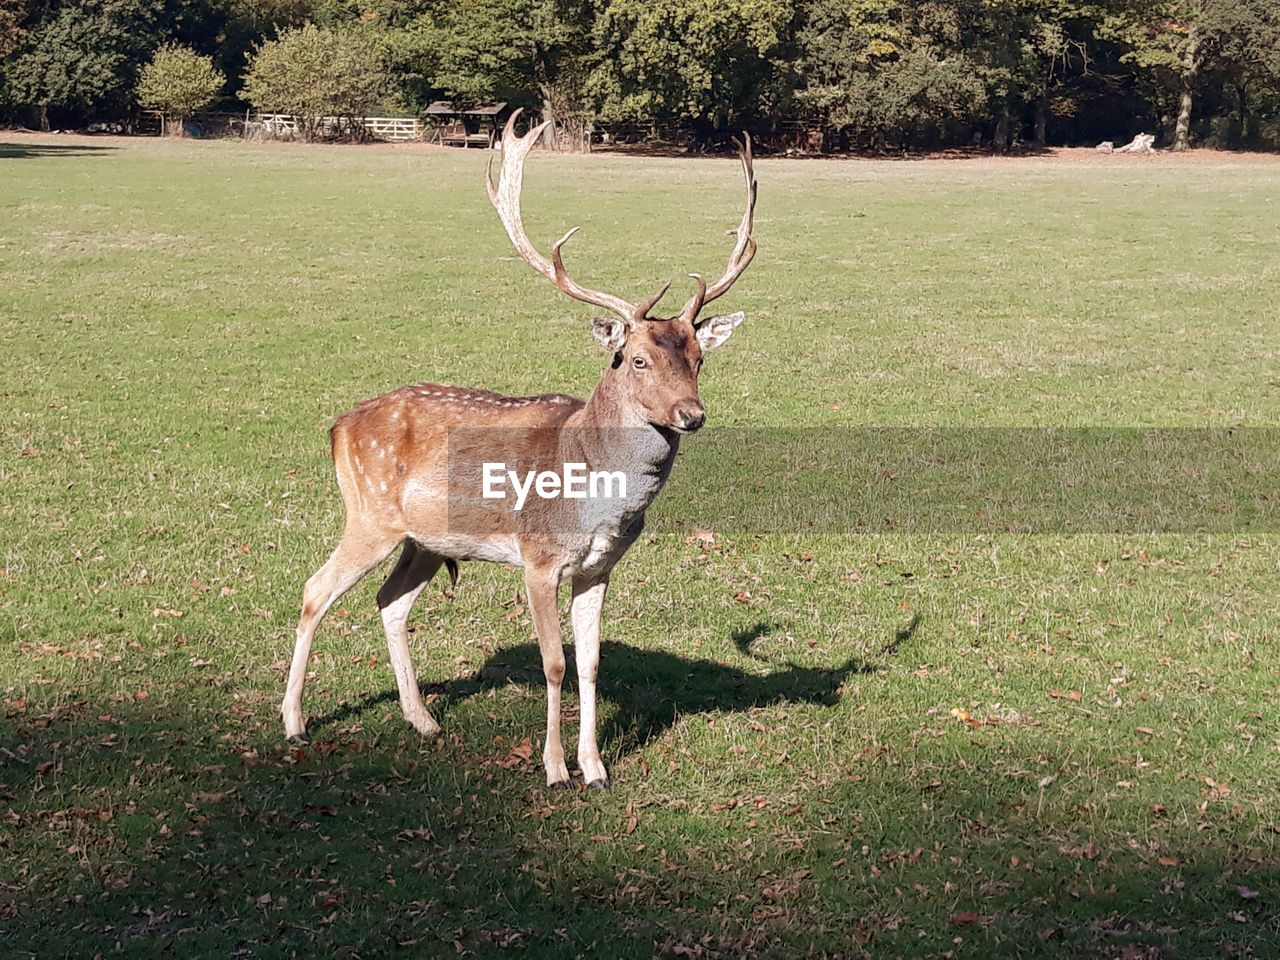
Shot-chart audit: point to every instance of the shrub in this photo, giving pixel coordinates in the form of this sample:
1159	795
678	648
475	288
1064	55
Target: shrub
312	73
179	83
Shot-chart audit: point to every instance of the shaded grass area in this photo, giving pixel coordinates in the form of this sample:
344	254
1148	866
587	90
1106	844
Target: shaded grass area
958	744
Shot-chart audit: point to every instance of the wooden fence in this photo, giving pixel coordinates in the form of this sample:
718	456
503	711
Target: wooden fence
379	128
394	128
283	125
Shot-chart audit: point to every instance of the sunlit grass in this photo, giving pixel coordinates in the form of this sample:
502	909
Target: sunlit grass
889	745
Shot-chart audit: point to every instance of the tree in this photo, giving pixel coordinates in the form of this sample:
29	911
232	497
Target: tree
80	58
715	65
1163	38
1183	41
12	13
528	52
179	83
884	70
1247	68
313	73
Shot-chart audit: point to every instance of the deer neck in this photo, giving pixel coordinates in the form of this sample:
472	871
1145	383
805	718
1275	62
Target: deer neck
611	434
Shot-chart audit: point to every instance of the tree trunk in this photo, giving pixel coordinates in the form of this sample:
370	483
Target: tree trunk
1041	122
44	118
551	137
1242	100
1000	143
1190	66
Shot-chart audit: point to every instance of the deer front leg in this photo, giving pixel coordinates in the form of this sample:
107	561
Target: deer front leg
542	587
588	601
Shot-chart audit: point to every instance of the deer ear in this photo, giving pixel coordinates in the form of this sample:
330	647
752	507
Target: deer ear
610	332
716	330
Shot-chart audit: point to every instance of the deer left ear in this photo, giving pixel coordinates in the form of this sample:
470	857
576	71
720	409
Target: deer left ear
716	330
610	332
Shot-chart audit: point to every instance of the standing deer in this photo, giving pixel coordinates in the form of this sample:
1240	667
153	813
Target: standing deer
409	465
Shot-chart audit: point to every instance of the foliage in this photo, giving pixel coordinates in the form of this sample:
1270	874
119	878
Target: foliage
870	74
178	82
876	74
11	16
313	72
711	63
526	52
80	57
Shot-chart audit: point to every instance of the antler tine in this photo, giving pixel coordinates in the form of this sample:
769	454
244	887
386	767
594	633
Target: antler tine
745	247
505	197
642	310
694	303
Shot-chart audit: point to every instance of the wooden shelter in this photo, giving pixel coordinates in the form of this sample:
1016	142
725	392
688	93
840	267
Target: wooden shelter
477	126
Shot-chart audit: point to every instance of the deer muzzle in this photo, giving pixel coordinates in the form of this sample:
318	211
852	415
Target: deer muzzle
688	415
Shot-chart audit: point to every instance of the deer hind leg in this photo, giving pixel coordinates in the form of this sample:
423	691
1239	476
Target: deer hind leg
584	612
542	586
412	572
355	556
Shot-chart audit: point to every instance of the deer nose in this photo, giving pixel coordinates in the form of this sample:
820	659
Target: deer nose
690	415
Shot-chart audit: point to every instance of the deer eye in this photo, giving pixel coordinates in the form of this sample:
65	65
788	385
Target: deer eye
640	363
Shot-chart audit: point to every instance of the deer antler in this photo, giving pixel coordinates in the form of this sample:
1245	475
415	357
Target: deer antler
505	197
743	250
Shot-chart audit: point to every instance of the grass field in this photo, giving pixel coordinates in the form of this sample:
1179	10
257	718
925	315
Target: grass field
951	745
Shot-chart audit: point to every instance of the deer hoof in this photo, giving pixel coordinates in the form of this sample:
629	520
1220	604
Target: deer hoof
602	784
559	785
298	739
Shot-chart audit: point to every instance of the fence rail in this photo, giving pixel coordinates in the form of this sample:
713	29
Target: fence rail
379	128
394	128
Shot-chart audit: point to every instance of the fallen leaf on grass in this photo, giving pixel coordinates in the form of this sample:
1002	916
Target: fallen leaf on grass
1088	851
518	755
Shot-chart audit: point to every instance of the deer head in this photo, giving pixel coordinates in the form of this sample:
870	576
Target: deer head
653	374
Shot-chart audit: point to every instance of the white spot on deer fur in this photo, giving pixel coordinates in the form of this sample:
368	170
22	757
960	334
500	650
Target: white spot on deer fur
373	443
383	486
382	454
359	465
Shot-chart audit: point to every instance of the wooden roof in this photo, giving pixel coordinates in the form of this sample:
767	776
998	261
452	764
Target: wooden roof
445	108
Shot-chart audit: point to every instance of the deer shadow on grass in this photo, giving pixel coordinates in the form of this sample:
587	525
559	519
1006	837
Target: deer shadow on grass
650	690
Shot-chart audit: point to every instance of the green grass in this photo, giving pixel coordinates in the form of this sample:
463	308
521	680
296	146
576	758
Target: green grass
781	712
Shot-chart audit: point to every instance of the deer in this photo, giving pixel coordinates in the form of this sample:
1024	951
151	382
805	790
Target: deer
410	466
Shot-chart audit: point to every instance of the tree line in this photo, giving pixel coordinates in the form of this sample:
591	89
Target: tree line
816	74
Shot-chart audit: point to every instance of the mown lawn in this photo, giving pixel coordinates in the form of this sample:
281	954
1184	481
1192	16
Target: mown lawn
964	743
